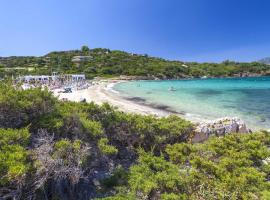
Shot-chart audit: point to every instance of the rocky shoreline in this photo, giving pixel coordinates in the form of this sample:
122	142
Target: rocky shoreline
203	130
219	127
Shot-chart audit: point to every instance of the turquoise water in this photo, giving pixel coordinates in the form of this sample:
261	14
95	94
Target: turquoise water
246	98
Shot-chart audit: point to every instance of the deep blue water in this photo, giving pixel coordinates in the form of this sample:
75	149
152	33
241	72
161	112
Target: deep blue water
246	98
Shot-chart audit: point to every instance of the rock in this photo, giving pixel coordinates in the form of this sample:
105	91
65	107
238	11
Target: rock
219	127
266	161
242	128
199	137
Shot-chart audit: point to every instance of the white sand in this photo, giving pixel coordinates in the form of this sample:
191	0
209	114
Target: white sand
103	93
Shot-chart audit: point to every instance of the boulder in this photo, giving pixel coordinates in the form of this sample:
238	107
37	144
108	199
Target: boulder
219	127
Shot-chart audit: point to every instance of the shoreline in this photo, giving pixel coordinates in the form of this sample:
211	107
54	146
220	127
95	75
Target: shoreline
103	92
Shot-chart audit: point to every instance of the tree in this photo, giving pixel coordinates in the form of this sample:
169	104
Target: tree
85	49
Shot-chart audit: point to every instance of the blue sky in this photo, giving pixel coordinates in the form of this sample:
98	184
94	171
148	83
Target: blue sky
188	30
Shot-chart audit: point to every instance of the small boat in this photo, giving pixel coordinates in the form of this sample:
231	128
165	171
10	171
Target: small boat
172	89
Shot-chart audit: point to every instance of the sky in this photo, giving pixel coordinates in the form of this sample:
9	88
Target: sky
186	30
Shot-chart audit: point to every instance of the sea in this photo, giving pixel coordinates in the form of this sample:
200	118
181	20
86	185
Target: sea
246	98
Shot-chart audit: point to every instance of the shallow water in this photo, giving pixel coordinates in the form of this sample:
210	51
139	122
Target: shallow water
246	98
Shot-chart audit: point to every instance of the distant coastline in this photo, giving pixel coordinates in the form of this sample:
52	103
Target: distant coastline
142	78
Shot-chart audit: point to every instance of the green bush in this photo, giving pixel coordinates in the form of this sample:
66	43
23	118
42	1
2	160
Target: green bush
229	167
105	147
19	107
13	155
118	178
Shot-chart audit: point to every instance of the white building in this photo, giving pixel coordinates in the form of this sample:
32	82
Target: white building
35	78
52	78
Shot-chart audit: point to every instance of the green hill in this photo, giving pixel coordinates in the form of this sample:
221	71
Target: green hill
109	63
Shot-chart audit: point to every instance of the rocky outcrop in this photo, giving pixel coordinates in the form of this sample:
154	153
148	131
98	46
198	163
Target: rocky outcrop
219	127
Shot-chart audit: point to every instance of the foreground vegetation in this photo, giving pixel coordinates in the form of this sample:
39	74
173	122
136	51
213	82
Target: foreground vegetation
64	150
108	63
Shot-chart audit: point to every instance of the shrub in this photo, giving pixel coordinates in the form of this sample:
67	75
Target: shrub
106	148
19	107
13	156
229	167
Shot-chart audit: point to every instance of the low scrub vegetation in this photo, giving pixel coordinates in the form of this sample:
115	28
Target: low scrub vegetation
65	150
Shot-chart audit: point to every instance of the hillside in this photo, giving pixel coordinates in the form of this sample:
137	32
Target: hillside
108	63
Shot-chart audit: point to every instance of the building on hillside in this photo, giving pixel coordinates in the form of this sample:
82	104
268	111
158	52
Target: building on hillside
79	59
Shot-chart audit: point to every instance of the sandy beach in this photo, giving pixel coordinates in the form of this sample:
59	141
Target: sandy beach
102	92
